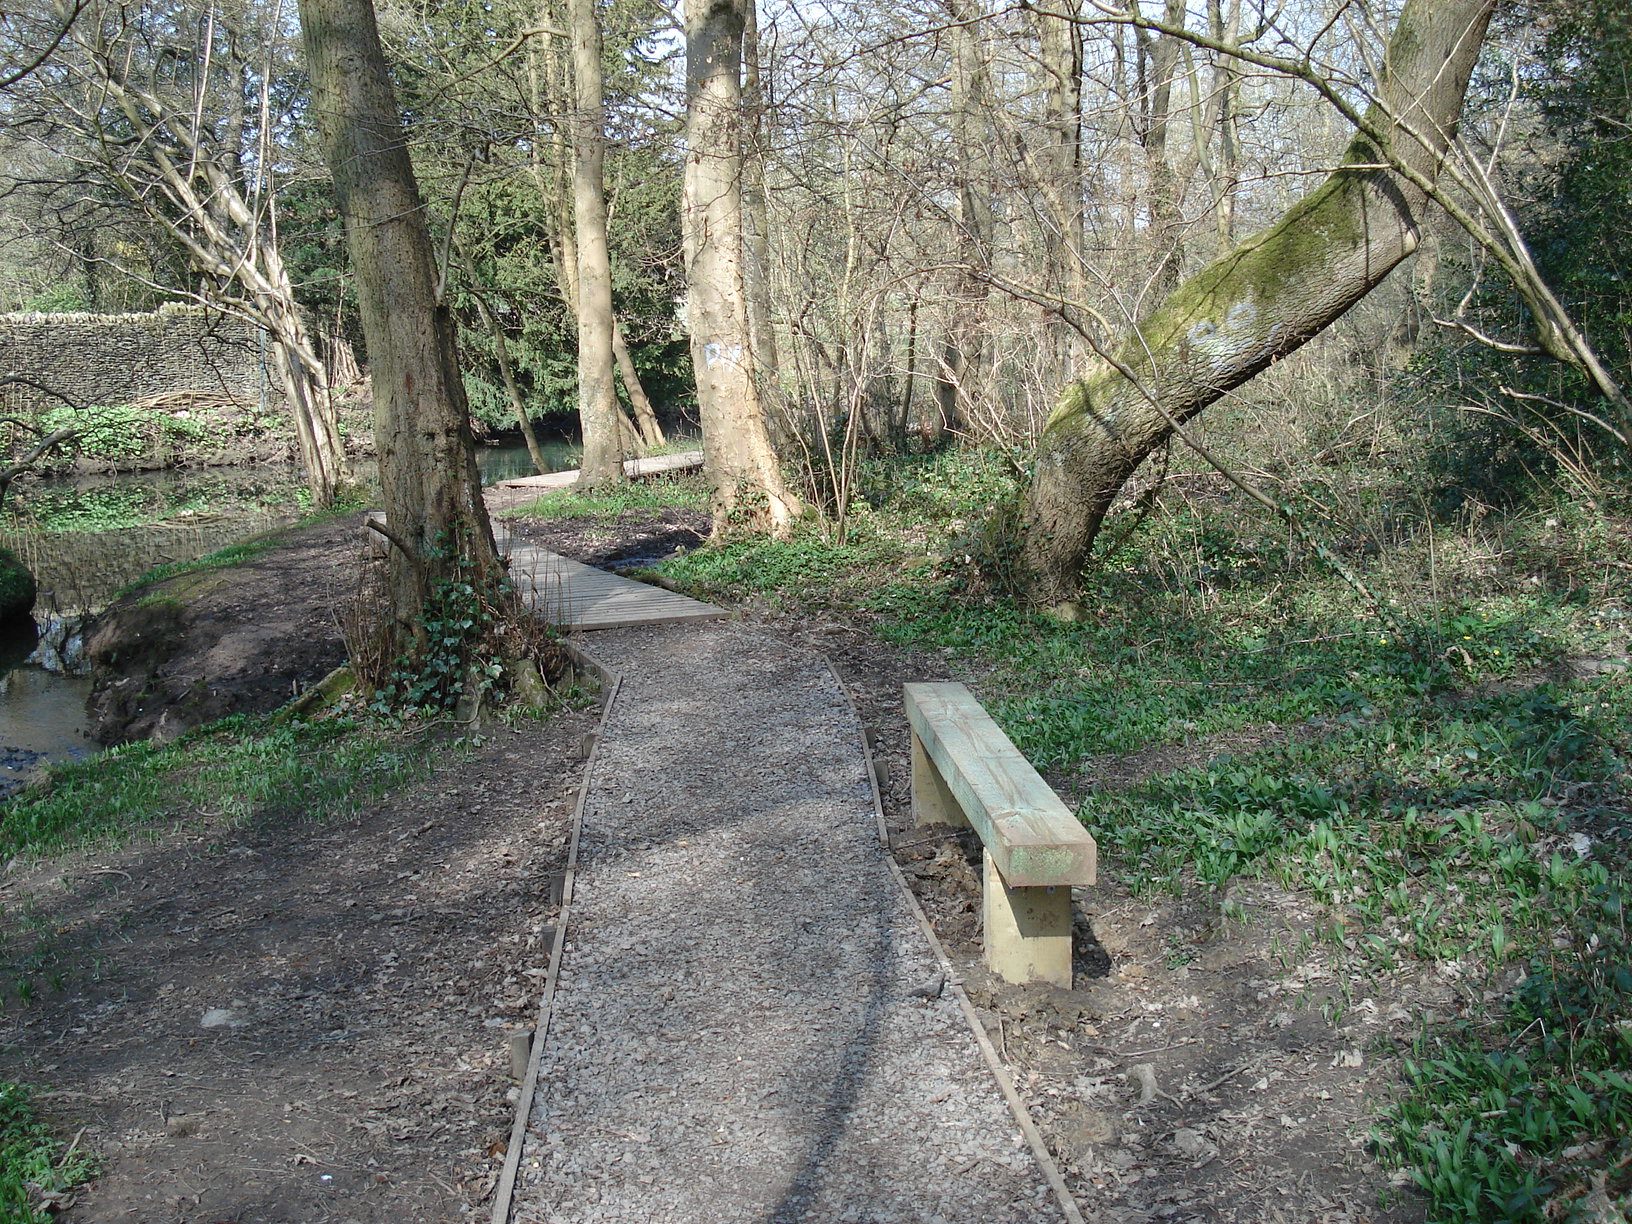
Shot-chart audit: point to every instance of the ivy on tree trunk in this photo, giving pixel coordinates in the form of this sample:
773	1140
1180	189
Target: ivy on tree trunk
435	516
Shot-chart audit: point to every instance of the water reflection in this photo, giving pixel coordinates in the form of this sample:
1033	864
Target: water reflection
510	460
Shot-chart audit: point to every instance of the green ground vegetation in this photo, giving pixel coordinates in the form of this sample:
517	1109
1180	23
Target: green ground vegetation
635	496
239	770
36	1167
1405	748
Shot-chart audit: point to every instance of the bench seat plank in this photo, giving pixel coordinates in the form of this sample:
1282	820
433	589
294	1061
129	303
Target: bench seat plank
1032	837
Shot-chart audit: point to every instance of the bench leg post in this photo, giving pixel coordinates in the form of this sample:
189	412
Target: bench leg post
1027	931
932	800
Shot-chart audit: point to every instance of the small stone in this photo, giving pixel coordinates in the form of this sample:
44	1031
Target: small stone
1188	1142
221	1017
930	989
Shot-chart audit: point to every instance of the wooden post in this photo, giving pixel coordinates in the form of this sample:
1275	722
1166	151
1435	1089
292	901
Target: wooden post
1027	931
932	800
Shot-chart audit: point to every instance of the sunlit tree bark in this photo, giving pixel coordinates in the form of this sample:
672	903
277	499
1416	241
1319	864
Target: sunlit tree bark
435	517
747	487
598	411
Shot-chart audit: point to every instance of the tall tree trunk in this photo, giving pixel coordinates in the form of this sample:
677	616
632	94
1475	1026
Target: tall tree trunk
757	214
747	486
1260	301
1059	36
1161	55
964	357
1225	26
431	489
598	412
550	89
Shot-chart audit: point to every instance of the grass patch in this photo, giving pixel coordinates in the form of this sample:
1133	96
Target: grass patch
35	1166
657	493
240	770
222	558
240	553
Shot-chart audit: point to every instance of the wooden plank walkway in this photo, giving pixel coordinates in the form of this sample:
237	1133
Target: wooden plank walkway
578	596
657	465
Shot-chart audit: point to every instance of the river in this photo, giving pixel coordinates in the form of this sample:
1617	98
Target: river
85	538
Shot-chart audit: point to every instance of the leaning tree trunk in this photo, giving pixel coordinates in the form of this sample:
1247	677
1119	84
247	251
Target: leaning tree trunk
651	433
432	494
747	487
598	411
305	382
1259	302
507	371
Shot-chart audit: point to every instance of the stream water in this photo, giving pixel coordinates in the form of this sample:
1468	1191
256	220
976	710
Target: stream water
84	538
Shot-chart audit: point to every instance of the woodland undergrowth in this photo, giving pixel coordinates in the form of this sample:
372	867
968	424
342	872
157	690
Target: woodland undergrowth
1436	759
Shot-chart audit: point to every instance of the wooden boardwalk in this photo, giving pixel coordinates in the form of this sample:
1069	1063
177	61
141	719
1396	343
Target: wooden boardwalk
657	465
578	596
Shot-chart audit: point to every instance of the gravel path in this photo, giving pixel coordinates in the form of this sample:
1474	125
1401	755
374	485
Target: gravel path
749	1024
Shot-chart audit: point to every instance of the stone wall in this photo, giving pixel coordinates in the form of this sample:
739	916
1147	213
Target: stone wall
111	360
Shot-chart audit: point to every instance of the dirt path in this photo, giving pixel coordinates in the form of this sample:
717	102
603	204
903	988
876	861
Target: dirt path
299	1023
749	1024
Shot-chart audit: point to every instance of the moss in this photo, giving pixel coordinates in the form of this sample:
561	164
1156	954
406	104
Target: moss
1237	294
17	587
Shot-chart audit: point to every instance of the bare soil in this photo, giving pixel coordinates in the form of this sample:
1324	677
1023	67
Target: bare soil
288	1022
360	979
194	648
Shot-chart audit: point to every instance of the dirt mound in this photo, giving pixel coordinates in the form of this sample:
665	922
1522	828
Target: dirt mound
187	650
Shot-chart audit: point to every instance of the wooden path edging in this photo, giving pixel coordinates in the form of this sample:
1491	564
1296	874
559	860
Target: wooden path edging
504	1191
966	771
1005	1082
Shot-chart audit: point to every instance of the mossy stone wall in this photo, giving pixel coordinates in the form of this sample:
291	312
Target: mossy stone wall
113	359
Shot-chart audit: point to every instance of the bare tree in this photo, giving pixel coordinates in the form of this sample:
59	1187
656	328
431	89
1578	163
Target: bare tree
170	110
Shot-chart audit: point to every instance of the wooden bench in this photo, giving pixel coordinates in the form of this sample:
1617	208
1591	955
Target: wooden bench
965	771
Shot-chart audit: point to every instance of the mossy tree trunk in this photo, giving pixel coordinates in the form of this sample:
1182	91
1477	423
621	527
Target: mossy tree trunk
431	490
1257	303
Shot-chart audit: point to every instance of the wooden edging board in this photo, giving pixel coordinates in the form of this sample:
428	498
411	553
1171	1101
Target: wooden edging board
1005	1082
504	1192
